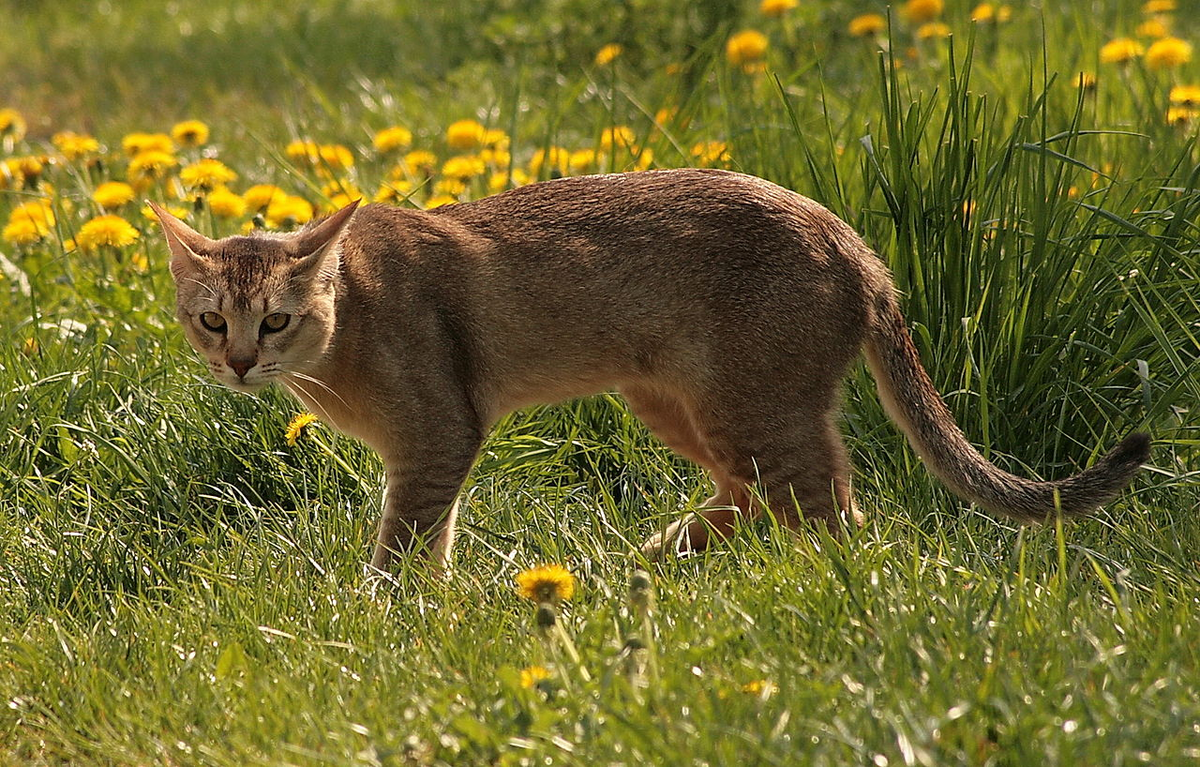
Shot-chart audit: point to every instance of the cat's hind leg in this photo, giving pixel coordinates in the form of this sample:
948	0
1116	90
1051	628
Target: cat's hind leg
671	420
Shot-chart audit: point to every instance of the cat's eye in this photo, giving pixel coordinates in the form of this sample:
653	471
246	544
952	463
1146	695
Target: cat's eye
273	323
213	321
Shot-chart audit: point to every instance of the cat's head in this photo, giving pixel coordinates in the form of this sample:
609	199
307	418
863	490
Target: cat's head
256	308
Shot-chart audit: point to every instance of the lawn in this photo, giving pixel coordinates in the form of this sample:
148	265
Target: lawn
182	575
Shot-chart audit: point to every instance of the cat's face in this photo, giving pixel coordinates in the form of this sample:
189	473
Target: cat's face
258	309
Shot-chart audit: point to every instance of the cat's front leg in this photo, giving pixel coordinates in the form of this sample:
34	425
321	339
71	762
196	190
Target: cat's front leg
419	504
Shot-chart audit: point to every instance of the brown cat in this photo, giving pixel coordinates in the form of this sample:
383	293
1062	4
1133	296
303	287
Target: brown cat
724	308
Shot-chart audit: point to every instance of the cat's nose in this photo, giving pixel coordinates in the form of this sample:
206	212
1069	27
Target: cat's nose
241	365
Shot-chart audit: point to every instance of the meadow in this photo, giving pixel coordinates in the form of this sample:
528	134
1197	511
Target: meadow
182	571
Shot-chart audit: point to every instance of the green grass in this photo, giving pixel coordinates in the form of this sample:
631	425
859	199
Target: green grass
180	586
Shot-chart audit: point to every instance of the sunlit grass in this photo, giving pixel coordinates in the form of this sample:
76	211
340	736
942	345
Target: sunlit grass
182	567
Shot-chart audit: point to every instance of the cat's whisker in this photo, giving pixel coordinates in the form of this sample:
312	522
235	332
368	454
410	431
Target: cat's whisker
310	399
318	382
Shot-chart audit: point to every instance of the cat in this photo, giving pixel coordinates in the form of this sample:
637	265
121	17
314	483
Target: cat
724	308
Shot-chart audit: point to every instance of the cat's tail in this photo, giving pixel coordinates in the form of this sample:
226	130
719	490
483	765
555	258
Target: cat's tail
914	404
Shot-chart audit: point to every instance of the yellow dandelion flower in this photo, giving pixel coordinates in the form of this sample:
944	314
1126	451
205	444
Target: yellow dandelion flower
621	136
139	143
297	426
151	165
464	167
1158	6
1152	28
465	135
341	186
932	30
107	230
776	7
23	231
644	160
1120	51
1181	115
1187	95
420	162
867	24
532	675
557	159
438	200
1085	81
39	211
758	687
608	54
226	204
582	161
26	168
29	346
547	583
496	158
74	146
260	196
393	138
921	11
12	124
206	174
1168	52
746	47
710	152
191	133
394	191
983	12
495	139
288	211
449	187
335	156
139	262
113	194
303	151
500	181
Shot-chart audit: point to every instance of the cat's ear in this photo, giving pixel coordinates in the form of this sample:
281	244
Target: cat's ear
188	247
314	247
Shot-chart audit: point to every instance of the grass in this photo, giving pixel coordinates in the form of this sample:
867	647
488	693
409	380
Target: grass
178	585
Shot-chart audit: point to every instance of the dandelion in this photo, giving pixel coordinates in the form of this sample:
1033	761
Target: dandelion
74	146
1152	28
288	211
464	167
438	200
933	29
113	194
107	230
394	191
608	54
335	156
420	162
450	187
495	138
530	677
920	11
1187	95
983	12
582	160
617	136
190	133
259	196
150	166
1085	81
296	427
776	8
1120	51
12	124
135	144
496	157
29	346
556	159
709	153
206	174
1168	52
546	584
38	211
867	24
746	47
23	231
303	151
1181	115
465	135
392	139
24	170
1158	6
226	204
